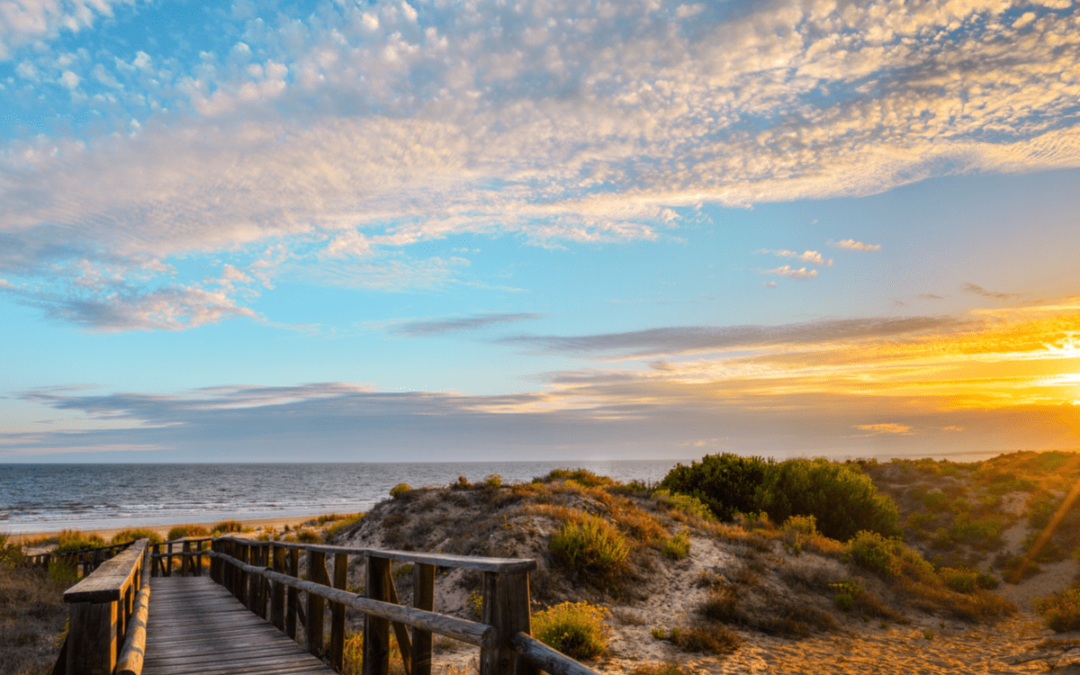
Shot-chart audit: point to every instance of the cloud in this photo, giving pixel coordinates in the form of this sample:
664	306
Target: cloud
852	245
789	271
691	339
23	23
807	256
885	428
804	387
373	128
975	289
437	327
930	296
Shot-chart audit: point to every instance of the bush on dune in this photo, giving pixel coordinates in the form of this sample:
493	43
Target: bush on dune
728	484
591	543
182	531
73	540
841	498
1061	611
134	535
576	629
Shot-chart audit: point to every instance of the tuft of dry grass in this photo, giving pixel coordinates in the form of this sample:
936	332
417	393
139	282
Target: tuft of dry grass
662	668
709	638
32	617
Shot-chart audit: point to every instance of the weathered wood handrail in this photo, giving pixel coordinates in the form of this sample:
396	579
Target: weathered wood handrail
547	659
131	657
478	563
471	632
89	558
101	610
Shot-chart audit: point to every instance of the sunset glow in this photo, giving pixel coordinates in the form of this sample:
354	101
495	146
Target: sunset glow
429	230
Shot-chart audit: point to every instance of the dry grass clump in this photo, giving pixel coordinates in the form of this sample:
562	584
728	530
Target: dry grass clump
786	615
354	655
709	638
74	540
590	543
184	531
126	536
228	527
32	615
661	668
576	629
1061	611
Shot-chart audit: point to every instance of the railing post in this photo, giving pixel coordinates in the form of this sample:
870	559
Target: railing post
423	598
315	607
293	594
92	639
168	564
185	560
376	630
506	607
277	593
337	609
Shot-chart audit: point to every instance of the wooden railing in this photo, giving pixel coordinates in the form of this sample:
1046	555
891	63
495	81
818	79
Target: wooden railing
107	620
89	559
265	577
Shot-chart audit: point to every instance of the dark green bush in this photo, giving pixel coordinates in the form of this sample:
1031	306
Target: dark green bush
1061	611
843	500
727	484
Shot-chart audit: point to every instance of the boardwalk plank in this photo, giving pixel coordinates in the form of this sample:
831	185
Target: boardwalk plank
197	628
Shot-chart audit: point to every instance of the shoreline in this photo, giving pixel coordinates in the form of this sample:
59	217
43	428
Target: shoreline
257	524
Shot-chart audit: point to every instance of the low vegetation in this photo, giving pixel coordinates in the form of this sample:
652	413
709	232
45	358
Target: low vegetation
32	615
185	531
577	629
841	498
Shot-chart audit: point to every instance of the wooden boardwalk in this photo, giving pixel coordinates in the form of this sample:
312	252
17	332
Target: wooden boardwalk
196	627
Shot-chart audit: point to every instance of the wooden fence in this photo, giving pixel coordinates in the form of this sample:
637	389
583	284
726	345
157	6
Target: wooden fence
265	577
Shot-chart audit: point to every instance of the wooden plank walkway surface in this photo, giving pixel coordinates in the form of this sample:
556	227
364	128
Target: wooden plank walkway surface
196	627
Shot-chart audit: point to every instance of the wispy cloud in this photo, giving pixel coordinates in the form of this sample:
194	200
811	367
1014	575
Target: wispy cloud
807	256
885	428
975	289
852	245
435	327
789	271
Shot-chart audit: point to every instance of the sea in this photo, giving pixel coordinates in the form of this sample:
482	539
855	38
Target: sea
52	497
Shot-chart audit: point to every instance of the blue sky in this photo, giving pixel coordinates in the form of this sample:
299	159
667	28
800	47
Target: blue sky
386	231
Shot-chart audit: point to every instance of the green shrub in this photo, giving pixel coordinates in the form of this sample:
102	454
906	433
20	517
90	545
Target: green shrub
493	481
677	547
308	537
134	535
346	521
589	542
182	531
583	477
935	501
727	483
64	573
684	503
841	498
959	580
462	483
400	490
404	570
576	629
227	527
845	592
73	540
1061	611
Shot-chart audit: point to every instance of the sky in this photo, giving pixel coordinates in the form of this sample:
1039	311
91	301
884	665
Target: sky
553	230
